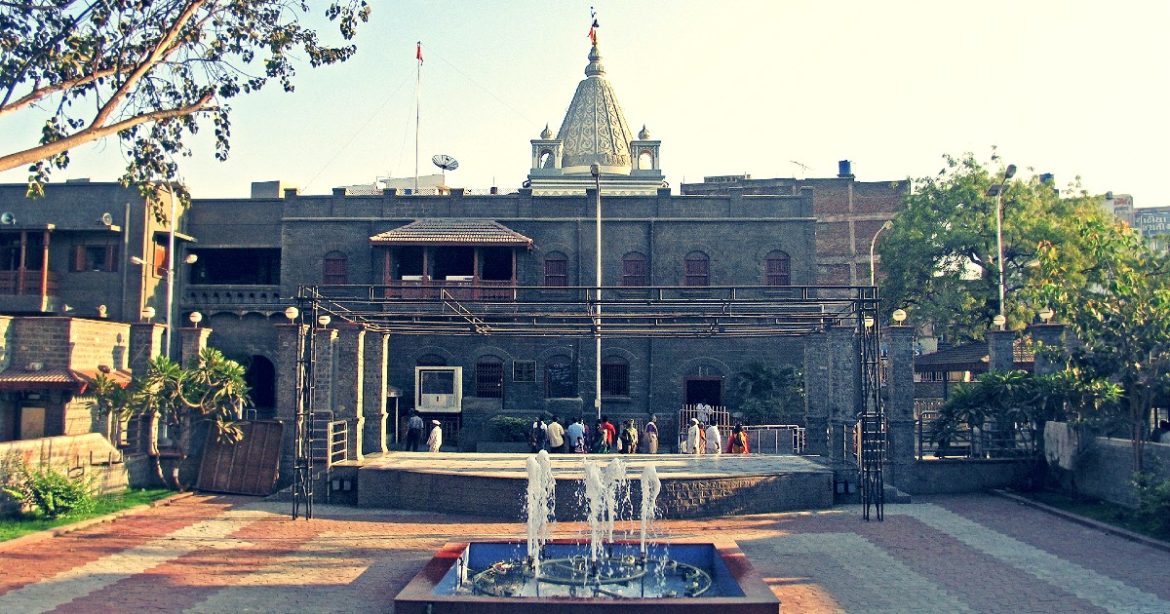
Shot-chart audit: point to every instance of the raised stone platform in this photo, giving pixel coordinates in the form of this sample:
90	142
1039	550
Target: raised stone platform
494	484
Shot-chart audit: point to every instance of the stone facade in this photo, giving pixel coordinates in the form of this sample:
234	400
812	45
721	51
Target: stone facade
735	232
849	213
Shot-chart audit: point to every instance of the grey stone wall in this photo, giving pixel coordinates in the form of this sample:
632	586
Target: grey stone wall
967	475
679	498
1105	469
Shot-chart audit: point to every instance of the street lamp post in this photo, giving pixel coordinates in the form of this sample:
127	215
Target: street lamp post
997	191
872	245
595	170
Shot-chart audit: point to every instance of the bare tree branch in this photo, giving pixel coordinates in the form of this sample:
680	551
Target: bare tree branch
95	132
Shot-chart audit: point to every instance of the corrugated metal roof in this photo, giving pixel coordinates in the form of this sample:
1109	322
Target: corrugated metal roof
445	231
75	379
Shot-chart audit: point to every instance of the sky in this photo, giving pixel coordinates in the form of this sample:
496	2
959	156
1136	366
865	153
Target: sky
767	88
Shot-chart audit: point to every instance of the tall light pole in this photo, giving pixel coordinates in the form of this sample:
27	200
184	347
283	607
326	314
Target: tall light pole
595	170
873	244
171	273
997	191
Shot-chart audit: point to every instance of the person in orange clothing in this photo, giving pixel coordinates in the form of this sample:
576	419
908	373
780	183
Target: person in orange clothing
738	442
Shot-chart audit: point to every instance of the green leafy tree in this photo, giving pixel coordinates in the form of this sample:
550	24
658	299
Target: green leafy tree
1010	398
212	390
150	72
939	258
766	394
1120	314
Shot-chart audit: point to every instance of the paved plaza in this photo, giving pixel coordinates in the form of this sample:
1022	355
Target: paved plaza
974	553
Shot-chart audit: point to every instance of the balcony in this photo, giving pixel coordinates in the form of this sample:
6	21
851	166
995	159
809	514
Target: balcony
469	289
231	297
22	291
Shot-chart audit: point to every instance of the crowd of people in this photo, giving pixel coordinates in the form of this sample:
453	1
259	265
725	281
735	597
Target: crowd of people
604	437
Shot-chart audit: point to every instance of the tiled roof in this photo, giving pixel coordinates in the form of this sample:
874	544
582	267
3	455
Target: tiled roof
447	231
76	379
970	357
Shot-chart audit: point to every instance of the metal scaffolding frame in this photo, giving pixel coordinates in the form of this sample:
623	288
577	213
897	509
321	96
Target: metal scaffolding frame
629	312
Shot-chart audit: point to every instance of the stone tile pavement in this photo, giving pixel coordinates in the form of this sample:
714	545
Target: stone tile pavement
234	554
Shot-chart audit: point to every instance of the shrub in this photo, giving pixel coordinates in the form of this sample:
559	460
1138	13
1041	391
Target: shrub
50	492
509	428
1153	501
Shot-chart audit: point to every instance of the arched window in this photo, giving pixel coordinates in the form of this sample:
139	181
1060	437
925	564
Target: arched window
634	270
560	379
777	269
556	269
489	378
646	160
615	377
334	273
546	159
431	360
697	269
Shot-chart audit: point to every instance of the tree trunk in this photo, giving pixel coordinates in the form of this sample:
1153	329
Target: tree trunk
152	447
184	451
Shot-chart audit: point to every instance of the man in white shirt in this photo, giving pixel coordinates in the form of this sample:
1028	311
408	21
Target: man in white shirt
714	440
556	435
435	441
693	438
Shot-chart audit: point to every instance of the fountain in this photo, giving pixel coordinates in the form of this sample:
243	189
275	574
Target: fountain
601	572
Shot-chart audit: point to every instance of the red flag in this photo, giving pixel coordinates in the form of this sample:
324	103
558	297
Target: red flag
418	52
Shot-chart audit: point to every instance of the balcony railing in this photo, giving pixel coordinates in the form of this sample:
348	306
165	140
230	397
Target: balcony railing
463	289
12	283
231	295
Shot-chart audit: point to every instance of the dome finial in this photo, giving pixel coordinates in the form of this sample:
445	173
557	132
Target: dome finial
546	134
644	134
595	68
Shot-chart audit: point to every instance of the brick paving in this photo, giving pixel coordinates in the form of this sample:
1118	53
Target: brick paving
236	554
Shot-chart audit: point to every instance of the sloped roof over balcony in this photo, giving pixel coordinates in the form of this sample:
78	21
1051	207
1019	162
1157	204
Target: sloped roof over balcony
448	231
972	357
77	380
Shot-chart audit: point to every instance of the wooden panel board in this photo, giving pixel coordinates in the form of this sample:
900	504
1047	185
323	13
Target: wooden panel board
248	467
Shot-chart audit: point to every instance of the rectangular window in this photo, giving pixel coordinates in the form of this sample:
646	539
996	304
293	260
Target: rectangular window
489	380
556	272
160	260
778	273
335	274
95	258
524	371
697	272
560	381
634	272
615	380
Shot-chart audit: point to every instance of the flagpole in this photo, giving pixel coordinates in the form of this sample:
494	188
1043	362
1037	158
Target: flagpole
417	98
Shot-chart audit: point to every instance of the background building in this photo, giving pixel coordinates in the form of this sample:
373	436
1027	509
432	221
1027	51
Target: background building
849	214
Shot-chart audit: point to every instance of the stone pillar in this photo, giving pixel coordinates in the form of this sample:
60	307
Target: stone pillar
1048	337
324	373
999	350
900	389
287	355
192	342
374	393
817	368
843	393
145	345
348	384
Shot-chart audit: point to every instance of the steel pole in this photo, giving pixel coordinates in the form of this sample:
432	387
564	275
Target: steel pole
596	170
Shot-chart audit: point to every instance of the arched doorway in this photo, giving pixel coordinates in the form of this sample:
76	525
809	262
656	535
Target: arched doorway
261	378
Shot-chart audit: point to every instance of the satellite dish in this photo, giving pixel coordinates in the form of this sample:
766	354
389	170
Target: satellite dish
7	218
107	219
445	162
